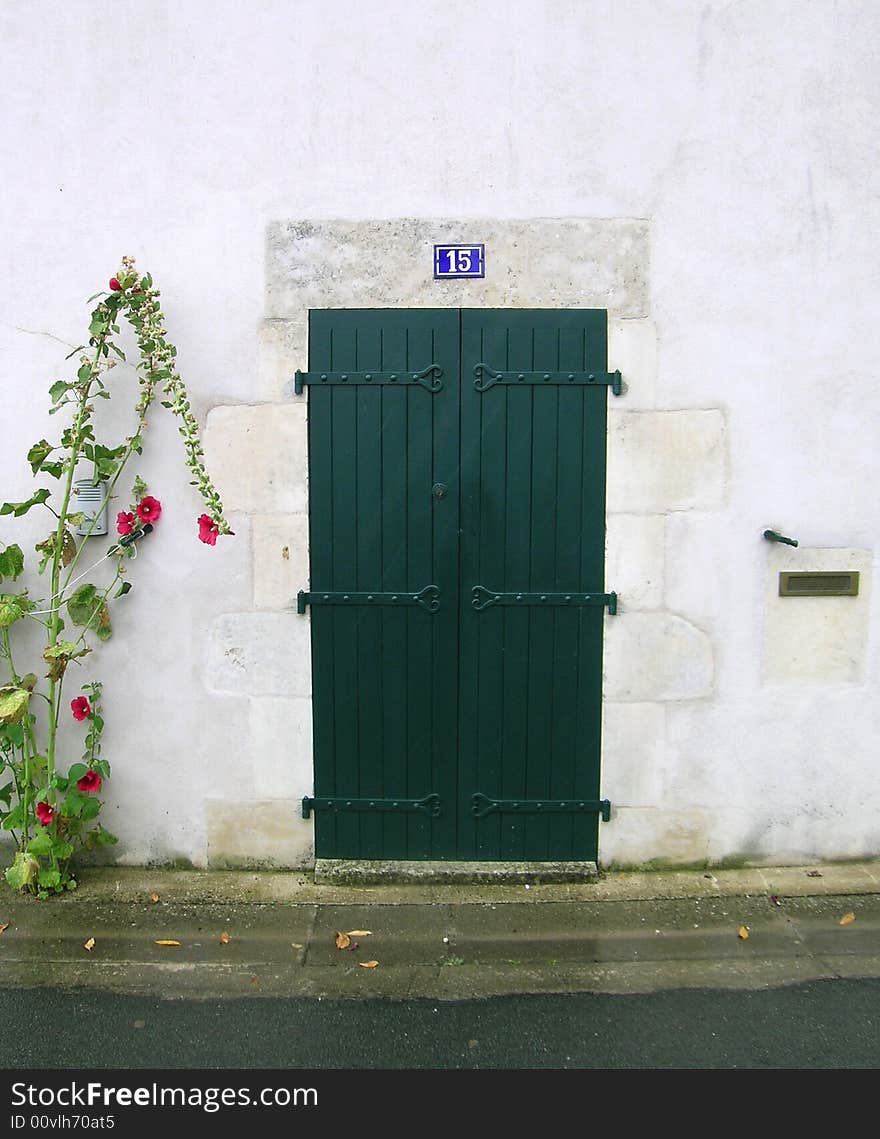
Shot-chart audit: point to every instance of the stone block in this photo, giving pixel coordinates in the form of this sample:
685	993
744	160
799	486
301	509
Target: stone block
259	654
281	559
633	753
282	348
269	833
632	349
666	460
257	455
635	559
533	262
281	738
815	640
656	656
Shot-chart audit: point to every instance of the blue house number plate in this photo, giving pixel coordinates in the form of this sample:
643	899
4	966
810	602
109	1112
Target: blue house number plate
459	261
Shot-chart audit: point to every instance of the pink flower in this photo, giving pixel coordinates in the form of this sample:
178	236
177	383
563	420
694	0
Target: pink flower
148	509
124	522
45	814
208	530
91	781
114	284
80	708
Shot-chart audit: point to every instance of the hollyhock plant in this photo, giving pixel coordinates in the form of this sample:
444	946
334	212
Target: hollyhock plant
208	530
89	782
48	786
45	814
148	509
80	708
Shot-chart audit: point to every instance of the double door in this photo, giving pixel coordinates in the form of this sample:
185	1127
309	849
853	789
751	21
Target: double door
457	596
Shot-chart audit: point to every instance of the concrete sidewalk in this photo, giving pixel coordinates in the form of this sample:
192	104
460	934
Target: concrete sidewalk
269	934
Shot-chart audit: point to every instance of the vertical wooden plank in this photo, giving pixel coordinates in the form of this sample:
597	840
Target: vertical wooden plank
367	491
541	684
566	747
320	569
490	625
445	570
394	568
517	556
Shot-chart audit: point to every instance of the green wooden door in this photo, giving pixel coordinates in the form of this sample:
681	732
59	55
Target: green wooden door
457	534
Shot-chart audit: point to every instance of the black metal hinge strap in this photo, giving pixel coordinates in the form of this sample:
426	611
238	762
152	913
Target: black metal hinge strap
482	805
487	377
430	805
482	598
428	378
428	598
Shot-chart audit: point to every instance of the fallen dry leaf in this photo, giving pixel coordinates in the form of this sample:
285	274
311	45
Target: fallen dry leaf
846	919
224	938
3	926
814	873
90	944
154	897
774	898
359	932
368	964
342	940
743	932
167	941
296	945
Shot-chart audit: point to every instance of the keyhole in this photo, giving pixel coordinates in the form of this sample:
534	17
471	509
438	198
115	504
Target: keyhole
439	490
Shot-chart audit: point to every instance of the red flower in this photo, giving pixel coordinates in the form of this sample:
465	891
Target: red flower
114	284
124	522
80	708
208	530
149	508
91	781
45	813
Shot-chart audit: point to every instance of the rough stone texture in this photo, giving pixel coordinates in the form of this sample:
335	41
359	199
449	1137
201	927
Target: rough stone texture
281	739
666	460
632	349
541	262
815	640
282	348
634	753
258	456
259	654
269	833
634	559
679	837
343	872
281	559
656	656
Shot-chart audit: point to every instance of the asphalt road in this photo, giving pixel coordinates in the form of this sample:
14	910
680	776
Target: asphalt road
828	1024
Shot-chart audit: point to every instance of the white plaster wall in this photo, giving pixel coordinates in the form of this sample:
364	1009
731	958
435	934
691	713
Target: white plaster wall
743	135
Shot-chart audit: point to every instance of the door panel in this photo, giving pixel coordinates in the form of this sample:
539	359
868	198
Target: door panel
496	696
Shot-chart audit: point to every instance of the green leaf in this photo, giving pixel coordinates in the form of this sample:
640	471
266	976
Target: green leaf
61	849
77	771
50	878
19	508
22	871
103	837
38	453
40	844
12	607
11	562
14	819
124	587
6	793
86	607
58	389
91	808
74	801
13	703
